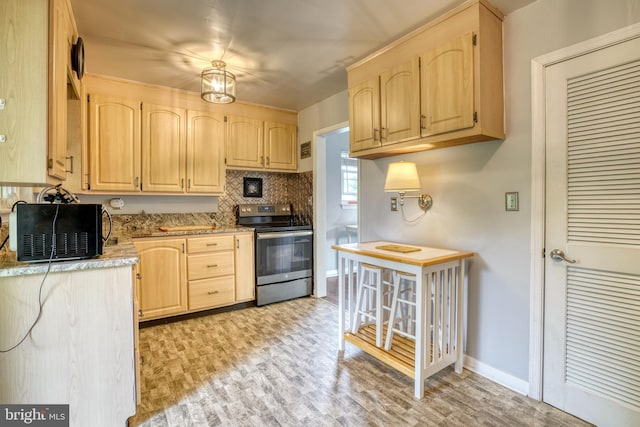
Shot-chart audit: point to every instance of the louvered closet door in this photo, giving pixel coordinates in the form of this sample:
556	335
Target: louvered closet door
592	306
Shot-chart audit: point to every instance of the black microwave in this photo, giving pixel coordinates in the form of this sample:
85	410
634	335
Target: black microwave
78	231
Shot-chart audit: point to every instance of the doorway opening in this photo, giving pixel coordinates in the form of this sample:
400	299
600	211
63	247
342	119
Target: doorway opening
335	193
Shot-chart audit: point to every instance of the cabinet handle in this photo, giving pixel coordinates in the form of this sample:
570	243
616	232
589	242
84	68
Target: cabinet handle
386	133
183	248
213	292
140	313
238	244
262	159
212	265
137	182
375	134
189	183
422	117
138	276
212	244
70	158
182	183
267	160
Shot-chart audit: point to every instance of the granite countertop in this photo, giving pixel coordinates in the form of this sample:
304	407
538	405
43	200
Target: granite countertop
120	250
155	232
113	256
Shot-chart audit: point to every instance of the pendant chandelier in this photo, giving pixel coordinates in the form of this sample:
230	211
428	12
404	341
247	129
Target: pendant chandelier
218	85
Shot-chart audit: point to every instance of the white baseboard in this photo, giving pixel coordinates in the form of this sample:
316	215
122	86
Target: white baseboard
332	273
497	376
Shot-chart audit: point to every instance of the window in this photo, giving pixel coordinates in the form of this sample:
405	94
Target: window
349	179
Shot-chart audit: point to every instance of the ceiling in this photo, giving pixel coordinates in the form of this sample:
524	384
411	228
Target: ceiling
285	53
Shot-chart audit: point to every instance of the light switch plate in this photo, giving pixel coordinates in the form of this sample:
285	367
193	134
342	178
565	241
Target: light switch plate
511	201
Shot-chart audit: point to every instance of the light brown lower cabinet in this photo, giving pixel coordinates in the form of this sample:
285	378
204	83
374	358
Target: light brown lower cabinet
193	273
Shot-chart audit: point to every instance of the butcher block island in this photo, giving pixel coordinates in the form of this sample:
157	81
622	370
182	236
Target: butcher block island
403	304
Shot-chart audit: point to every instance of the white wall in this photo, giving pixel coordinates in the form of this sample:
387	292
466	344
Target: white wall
468	183
326	113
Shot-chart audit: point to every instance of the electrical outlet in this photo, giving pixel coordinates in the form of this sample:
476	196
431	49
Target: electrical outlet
394	204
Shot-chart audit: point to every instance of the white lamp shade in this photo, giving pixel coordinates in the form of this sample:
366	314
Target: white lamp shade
402	177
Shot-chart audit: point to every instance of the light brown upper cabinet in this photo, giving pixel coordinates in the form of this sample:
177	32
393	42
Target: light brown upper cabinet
245	143
280	146
439	86
164	148
364	114
36	69
386	109
114	143
400	103
150	148
206	135
447	87
263	145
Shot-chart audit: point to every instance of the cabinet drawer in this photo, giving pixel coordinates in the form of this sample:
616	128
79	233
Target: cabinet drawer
210	292
210	265
210	243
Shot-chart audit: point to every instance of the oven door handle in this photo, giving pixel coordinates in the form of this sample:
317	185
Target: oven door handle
283	234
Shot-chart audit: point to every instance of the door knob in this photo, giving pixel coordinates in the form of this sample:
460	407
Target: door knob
558	255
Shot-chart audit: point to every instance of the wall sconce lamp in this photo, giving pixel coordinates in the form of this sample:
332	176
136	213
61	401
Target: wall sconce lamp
403	177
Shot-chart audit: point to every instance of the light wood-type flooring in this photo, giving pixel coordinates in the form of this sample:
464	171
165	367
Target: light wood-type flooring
279	365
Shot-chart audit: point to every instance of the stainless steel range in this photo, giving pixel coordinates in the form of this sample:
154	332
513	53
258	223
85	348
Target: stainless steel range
283	254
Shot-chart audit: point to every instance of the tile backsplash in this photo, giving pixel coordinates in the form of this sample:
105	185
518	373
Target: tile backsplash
296	189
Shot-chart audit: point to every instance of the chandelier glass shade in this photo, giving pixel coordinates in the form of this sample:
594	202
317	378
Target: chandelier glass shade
218	85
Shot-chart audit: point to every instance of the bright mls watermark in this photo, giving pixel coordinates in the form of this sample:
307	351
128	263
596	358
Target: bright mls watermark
34	415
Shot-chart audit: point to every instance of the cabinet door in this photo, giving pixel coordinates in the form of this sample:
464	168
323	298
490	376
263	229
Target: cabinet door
400	103
23	85
364	115
280	146
114	143
59	59
447	87
163	284
205	152
245	276
163	148
245	142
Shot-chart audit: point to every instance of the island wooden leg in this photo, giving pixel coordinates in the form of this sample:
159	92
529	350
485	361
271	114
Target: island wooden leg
341	261
421	333
460	324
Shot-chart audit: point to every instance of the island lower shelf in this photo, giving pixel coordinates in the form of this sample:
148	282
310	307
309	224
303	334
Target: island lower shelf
400	356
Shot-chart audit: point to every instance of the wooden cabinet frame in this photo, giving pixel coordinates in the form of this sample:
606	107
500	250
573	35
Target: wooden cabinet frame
458	105
179	275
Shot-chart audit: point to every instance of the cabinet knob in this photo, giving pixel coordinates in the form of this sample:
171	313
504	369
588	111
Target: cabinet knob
138	276
140	313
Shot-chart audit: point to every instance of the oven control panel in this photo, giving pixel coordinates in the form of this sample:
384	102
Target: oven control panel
264	210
